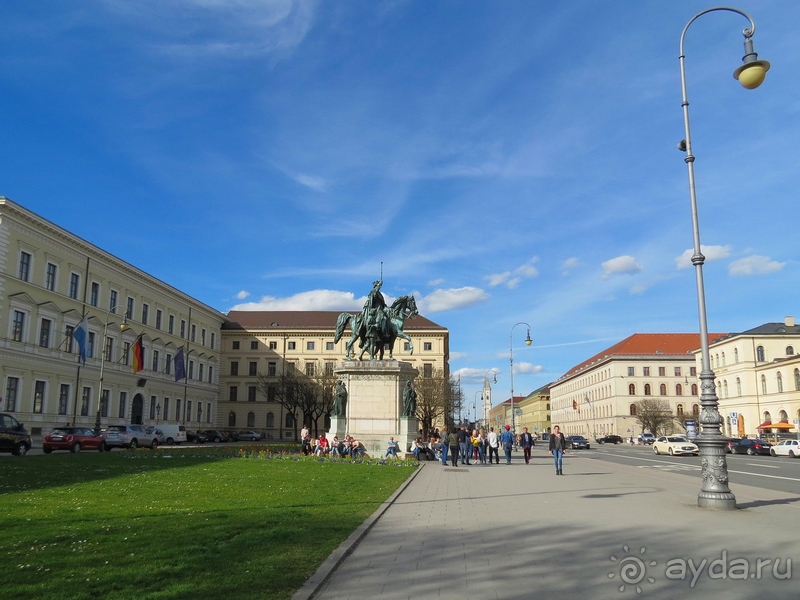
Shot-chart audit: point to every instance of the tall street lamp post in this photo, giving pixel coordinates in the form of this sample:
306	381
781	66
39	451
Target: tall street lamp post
511	367
103	349
714	492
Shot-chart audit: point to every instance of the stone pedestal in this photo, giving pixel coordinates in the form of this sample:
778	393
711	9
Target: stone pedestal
338	428
375	403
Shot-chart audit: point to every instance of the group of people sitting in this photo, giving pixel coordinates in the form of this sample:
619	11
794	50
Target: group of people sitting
321	446
419	449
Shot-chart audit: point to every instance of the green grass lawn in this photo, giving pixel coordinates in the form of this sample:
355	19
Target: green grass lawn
115	526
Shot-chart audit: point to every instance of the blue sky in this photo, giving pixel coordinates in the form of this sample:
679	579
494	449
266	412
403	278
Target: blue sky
507	161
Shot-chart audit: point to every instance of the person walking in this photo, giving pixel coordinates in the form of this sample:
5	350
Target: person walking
526	441
463	445
493	446
507	439
452	441
558	446
445	446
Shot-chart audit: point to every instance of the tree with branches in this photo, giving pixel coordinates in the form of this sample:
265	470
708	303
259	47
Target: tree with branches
654	414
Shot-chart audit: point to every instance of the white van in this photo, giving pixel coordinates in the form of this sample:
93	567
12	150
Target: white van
173	434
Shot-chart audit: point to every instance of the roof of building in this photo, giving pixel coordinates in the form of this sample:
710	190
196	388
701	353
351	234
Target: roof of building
785	328
647	344
280	320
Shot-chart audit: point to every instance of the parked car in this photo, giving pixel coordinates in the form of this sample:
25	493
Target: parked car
610	439
751	447
646	439
73	439
578	442
214	435
158	433
675	444
253	436
173	434
786	448
233	436
14	437
196	437
129	436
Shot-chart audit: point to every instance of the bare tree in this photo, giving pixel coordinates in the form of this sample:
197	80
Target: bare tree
434	396
282	389
654	414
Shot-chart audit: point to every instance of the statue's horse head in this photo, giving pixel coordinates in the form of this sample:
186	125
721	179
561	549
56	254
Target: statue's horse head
403	304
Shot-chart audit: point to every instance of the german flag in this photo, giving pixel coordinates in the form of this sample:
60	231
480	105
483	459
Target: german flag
574	405
138	355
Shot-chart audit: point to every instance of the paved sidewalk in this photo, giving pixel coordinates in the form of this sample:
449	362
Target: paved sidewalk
499	531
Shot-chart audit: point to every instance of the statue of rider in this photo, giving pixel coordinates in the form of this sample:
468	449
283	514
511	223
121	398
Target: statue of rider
373	312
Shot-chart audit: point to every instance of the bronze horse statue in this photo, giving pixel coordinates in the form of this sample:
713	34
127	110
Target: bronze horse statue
378	338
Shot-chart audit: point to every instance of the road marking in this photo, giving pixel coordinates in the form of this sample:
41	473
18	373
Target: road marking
763	465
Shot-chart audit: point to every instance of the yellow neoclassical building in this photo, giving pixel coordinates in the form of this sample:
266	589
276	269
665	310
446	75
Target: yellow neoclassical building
50	281
267	343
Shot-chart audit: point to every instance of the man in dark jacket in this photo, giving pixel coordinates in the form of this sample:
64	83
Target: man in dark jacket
463	442
558	446
526	441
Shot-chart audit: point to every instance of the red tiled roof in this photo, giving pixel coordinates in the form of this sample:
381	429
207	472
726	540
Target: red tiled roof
279	320
644	344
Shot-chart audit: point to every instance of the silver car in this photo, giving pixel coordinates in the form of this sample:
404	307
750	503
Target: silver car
129	436
253	436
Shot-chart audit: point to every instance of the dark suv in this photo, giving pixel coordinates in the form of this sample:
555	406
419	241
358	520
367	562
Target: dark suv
13	436
610	439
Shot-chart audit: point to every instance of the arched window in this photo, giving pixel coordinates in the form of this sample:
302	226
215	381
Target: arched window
289	421
231	419
695	409
711	361
789	350
251	419
763	384
725	387
646	389
723	359
782	416
632	389
270	420
767	417
760	356
632	409
679	390
662	389
694	389
738	387
736	355
797	379
779	380
680	410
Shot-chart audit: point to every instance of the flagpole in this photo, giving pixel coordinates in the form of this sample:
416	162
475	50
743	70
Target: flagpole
83	316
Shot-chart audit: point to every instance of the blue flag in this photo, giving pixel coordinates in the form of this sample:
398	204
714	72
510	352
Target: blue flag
79	334
180	365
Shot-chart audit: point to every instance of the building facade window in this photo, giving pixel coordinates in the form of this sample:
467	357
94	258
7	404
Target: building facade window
74	284
680	410
779	381
38	396
188	410
210	374
234	345
86	398
94	294
183	329
208	412
191	370
632	410
695	409
289	421
646	389
193	333
723	359
739	387
251	419
168	365
254	345
24	266
231	419
12	389
693	371
291	346
90	345
129	308
252	368
427	370
270	420
662	371
725	388
329	368
694	389
44	333
789	350
123	405
234	368
126	353
427	346
679	390
329	345
18	326
200	373
662	389
50	280
272	369
213	340
631	389
233	393
677	371
273	345
646	371
108	350
251	393
202	337
310	369
158	319
68	329
763	384
735	355
171	325
178	409
631	371
104	403
760	354
63	399
112	301
309	345
166	409
155	361
797	379
145	313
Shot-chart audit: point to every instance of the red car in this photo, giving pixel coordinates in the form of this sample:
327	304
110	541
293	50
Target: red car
73	439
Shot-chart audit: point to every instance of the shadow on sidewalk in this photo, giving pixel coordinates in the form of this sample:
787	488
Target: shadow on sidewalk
757	503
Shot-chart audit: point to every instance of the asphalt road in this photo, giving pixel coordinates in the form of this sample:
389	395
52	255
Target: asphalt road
778	473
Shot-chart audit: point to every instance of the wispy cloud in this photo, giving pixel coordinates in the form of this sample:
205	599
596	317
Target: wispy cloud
242	295
312	300
621	265
450	299
475	374
754	265
710	252
511	279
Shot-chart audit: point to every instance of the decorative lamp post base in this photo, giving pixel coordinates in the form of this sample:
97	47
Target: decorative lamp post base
714	491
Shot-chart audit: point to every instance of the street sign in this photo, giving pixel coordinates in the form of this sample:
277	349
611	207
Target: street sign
691	429
518	411
537	429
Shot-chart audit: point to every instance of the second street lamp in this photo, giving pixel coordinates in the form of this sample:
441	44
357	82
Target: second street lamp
511	369
714	492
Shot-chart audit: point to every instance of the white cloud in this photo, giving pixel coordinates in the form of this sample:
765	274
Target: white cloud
458	355
710	252
442	300
754	265
242	295
528	368
318	184
621	265
435	282
525	271
312	300
571	263
474	374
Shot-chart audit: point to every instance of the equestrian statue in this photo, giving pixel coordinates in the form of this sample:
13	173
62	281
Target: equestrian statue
377	327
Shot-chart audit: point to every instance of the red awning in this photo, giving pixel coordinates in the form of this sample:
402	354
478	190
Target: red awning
778	425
